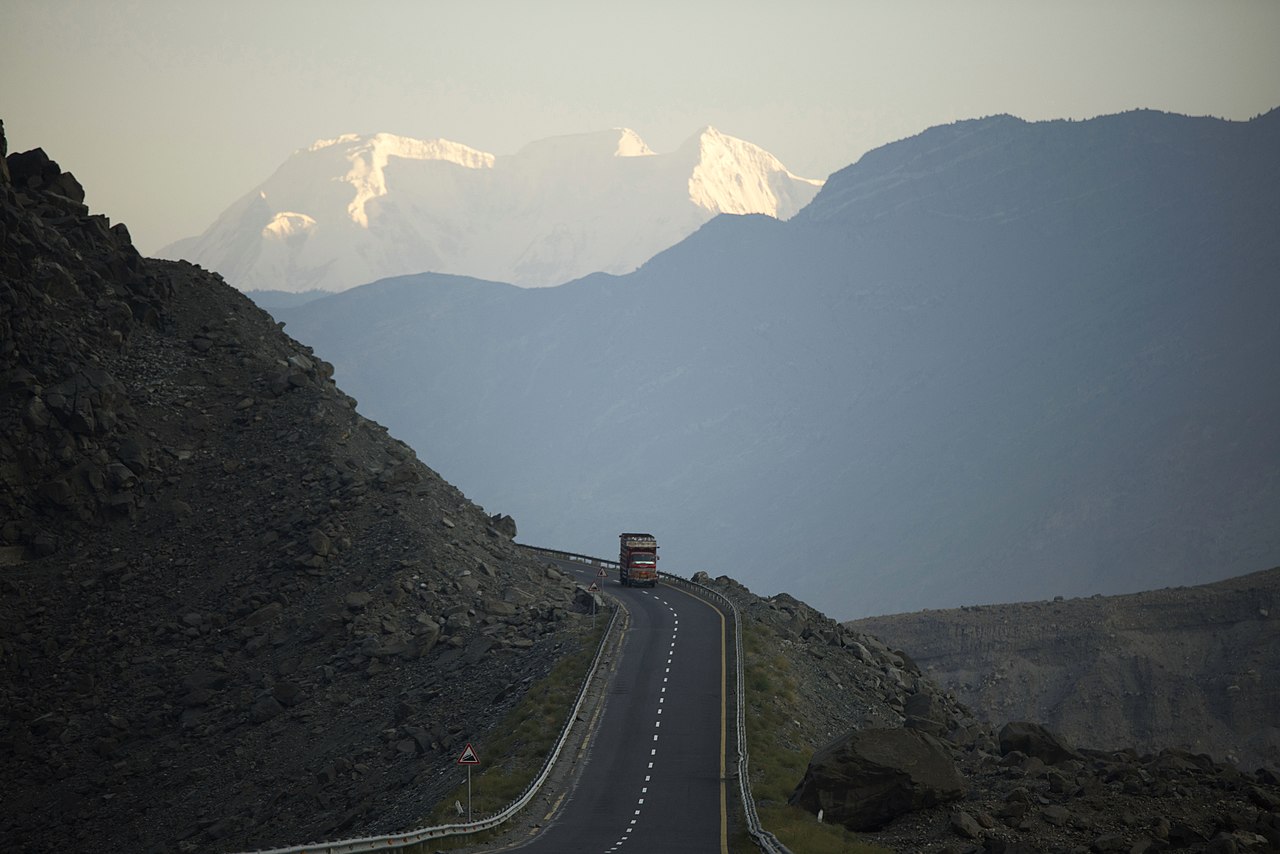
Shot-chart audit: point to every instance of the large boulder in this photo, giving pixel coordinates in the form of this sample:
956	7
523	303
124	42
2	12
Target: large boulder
1035	740
926	713
866	778
504	525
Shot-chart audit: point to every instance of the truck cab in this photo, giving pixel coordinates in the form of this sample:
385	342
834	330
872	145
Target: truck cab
637	560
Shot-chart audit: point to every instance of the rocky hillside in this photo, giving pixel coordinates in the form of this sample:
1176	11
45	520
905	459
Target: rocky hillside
234	612
907	765
1188	667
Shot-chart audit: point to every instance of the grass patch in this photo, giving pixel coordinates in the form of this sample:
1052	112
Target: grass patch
779	752
514	752
801	832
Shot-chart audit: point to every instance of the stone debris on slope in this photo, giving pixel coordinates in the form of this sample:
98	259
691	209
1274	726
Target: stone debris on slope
234	613
1024	789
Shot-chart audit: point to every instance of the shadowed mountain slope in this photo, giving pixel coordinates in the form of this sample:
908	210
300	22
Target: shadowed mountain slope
234	613
996	361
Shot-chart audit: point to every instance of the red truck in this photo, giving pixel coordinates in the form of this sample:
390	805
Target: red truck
638	560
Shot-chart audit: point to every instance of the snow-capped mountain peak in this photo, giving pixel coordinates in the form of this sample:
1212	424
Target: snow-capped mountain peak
321	144
368	159
576	150
737	177
353	209
631	145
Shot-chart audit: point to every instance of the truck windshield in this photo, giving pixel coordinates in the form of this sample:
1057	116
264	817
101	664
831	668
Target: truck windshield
644	561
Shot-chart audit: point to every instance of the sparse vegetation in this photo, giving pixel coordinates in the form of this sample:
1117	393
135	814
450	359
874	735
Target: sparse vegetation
516	749
779	754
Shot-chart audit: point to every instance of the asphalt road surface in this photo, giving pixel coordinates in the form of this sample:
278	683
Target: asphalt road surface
654	775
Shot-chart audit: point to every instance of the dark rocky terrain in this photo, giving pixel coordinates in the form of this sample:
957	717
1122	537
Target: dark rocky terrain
1021	788
1192	668
233	612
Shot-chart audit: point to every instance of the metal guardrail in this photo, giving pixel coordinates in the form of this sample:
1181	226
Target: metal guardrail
403	839
574	556
766	841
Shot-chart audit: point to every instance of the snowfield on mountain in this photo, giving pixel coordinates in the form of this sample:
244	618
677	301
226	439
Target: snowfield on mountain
350	210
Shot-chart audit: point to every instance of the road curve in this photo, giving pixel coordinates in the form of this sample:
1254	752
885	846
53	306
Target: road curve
654	773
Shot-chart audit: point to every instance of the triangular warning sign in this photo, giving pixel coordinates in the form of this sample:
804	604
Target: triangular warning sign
602	573
594	588
468	756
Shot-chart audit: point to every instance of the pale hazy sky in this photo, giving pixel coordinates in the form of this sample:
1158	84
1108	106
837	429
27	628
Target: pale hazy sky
168	111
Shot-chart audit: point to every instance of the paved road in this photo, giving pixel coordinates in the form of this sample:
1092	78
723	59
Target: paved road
653	780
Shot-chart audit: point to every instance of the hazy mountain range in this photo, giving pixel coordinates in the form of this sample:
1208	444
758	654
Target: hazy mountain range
997	361
350	210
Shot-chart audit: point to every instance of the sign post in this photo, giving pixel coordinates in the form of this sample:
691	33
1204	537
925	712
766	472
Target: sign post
593	590
469	758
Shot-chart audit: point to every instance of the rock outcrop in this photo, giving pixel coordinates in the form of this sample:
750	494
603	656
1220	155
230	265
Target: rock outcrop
234	613
869	777
1035	741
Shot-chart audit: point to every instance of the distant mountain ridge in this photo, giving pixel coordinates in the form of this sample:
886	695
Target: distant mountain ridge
998	361
1186	667
349	210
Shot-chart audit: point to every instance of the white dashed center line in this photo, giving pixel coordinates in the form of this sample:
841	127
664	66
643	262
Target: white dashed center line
657	724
